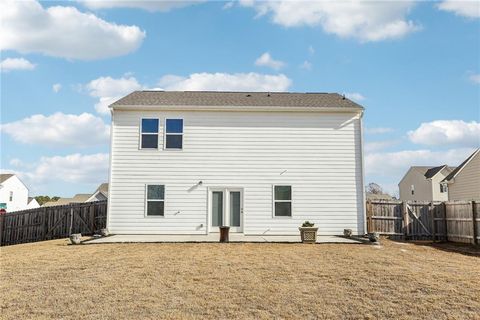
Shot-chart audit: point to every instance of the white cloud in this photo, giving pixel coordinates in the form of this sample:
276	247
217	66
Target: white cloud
447	132
74	168
108	90
378	145
10	64
56	87
355	96
59	130
266	60
228	5
378	130
149	5
226	82
363	20
306	65
395	164
63	32
469	9
474	78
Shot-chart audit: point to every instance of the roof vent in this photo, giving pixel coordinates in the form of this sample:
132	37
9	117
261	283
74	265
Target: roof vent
343	96
268	94
249	95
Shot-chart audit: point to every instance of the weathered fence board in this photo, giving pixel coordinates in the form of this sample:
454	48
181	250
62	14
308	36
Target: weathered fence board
456	221
54	222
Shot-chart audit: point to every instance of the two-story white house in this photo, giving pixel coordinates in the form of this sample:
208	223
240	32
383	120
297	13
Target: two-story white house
261	163
14	194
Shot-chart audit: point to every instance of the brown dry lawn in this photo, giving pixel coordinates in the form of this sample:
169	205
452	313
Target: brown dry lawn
53	280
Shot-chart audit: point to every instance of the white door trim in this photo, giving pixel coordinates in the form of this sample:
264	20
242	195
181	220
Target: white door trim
226	208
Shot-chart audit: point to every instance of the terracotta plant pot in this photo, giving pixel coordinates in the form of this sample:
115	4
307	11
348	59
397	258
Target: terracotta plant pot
308	234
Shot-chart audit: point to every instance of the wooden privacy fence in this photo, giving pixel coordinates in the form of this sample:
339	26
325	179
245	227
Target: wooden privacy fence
456	221
46	223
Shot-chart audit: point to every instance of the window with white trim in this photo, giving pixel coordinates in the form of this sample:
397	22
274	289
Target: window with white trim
149	134
155	202
282	201
443	188
173	133
412	189
11	196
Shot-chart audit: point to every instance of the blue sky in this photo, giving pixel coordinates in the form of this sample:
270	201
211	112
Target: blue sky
415	66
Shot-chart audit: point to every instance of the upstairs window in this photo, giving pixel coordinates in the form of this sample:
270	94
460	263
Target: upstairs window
149	139
10	198
412	189
282	201
173	133
155	200
443	188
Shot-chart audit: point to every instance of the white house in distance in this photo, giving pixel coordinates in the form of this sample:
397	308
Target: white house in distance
261	163
464	182
14	194
422	183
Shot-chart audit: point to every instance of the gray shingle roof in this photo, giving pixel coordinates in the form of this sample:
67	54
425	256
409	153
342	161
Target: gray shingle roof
236	99
5	176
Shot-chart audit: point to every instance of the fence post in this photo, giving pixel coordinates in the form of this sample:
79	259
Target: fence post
405	220
369	217
474	223
2	217
445	221
71	221
434	224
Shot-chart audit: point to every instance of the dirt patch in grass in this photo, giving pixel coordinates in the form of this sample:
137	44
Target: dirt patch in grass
249	281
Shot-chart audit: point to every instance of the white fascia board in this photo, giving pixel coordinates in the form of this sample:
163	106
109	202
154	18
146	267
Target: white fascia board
237	108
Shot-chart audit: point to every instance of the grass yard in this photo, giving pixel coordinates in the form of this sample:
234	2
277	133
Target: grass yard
181	281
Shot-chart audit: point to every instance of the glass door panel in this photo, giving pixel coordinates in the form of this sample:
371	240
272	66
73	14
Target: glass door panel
217	208
235	208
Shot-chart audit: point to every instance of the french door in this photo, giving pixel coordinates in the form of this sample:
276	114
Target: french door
226	209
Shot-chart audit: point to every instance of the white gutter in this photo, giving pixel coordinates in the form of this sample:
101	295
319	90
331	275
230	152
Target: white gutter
234	108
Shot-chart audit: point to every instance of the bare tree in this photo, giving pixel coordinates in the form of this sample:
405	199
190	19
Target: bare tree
374	188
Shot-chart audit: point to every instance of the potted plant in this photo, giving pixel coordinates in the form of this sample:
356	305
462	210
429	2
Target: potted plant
308	232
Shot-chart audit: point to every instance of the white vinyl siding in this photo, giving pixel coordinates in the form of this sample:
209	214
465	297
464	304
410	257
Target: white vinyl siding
319	154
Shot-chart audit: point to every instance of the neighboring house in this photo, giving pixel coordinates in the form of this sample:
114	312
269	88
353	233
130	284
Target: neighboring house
14	194
261	163
78	198
378	196
464	182
422	183
32	203
100	194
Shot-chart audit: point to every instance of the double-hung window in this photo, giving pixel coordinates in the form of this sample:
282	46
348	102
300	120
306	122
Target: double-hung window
173	133
282	201
155	200
443	188
149	134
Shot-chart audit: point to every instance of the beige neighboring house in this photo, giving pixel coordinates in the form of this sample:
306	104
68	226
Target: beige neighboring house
464	182
78	198
378	196
101	193
422	183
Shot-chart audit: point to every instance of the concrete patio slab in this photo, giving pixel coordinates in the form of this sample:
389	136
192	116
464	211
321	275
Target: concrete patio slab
151	238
